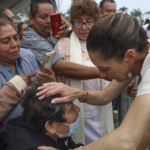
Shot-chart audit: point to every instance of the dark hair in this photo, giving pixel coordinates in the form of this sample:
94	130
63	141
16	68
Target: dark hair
148	28
20	26
4	16
38	112
114	34
34	6
147	21
2	9
80	8
5	20
101	4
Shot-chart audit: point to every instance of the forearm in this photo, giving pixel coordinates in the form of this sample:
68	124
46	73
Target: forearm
10	95
112	91
75	71
112	141
130	133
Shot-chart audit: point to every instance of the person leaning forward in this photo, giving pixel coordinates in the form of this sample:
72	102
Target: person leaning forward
120	56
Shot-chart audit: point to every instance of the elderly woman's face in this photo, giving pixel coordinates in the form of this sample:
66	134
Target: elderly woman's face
80	29
9	44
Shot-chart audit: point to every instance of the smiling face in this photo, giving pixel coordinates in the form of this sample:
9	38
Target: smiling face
11	15
9	44
41	22
82	33
112	68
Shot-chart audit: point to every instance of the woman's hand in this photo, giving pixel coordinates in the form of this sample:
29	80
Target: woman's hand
49	76
46	148
26	77
130	91
68	94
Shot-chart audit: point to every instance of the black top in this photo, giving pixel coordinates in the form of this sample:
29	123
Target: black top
21	138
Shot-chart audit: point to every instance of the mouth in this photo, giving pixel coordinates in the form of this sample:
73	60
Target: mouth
15	53
84	34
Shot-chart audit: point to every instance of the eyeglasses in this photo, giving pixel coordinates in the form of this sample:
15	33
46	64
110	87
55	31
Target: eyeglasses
80	24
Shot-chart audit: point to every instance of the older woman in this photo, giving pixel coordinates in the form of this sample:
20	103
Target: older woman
119	47
43	123
96	121
15	61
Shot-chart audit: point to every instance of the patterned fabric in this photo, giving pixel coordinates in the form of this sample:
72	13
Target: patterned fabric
76	57
89	111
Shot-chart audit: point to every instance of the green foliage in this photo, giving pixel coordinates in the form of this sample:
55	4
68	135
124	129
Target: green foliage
66	15
23	16
123	9
137	13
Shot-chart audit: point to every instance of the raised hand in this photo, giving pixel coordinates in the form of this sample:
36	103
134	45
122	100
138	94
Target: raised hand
49	76
26	77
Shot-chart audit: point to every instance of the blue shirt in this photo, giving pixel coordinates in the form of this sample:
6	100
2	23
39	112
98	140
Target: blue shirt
19	69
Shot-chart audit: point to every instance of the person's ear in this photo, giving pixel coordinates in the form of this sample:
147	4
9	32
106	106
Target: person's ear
130	56
31	19
50	127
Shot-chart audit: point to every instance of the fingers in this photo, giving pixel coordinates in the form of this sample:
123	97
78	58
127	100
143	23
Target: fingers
65	21
61	100
44	76
29	82
45	148
49	71
63	27
31	74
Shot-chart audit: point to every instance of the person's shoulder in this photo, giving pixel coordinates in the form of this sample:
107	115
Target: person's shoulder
63	40
26	52
146	64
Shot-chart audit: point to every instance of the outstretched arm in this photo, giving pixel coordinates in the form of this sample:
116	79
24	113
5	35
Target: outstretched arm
75	71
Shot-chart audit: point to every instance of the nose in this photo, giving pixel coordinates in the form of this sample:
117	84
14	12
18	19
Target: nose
84	27
77	109
15	21
102	74
13	44
48	19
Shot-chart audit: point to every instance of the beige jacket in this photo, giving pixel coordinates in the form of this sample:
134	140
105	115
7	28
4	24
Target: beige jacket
10	95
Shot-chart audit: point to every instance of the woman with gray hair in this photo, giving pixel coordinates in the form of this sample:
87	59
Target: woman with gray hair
43	123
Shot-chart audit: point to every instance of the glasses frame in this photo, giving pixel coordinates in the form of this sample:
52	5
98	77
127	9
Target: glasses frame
83	24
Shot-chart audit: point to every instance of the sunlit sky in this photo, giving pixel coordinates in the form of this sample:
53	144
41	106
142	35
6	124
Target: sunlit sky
144	5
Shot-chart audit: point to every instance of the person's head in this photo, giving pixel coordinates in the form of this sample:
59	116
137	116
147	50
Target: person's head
39	16
9	41
43	116
107	7
147	21
22	26
85	11
10	14
115	43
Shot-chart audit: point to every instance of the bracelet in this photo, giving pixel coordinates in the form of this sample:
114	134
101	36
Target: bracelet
80	147
86	97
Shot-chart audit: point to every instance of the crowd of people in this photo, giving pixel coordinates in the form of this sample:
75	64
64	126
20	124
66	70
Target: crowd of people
69	107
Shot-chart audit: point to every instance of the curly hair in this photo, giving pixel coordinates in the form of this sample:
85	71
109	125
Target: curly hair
80	8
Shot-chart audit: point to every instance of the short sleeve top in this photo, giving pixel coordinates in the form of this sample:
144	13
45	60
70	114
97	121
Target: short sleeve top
144	86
